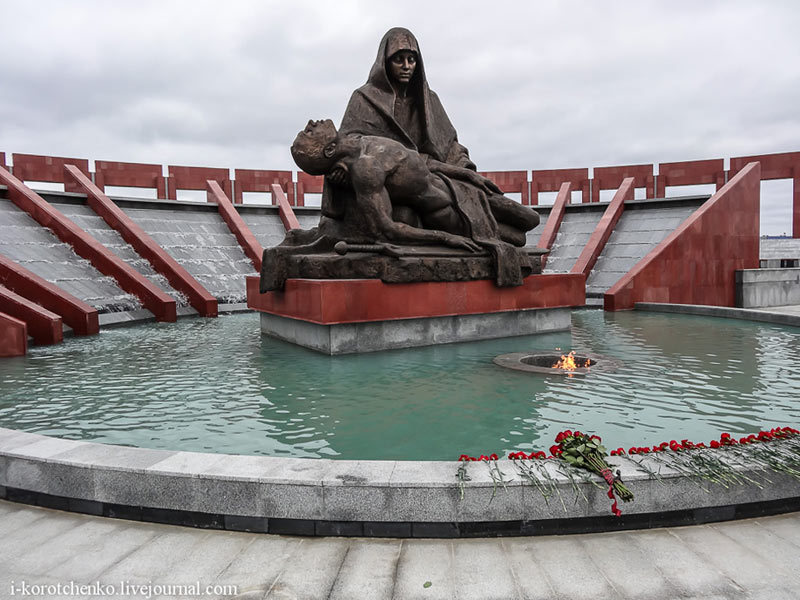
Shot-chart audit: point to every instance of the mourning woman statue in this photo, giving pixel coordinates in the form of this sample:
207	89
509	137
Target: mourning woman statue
397	103
391	121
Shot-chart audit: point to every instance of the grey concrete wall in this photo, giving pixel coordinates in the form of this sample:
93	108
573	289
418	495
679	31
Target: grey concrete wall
95	226
267	226
767	287
201	243
374	336
778	249
532	237
637	233
37	249
575	231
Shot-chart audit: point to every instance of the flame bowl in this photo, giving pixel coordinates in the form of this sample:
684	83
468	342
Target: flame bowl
542	363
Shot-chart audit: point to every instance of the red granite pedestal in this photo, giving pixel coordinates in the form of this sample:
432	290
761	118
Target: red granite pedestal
346	316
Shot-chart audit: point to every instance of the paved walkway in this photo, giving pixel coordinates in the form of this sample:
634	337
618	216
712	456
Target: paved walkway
751	559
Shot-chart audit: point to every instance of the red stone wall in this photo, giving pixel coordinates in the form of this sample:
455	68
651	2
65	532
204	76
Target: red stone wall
308	184
784	165
256	180
597	241
696	263
553	223
33	167
236	225
778	166
81	317
515	182
285	212
610	178
194	178
43	326
126	174
13	336
357	300
692	172
550	180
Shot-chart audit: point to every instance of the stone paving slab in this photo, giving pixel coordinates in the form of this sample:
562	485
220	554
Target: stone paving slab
740	560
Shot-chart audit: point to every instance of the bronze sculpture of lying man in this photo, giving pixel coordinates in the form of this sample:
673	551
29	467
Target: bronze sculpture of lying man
400	203
391	181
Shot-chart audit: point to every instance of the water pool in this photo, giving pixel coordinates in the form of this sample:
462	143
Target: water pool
217	385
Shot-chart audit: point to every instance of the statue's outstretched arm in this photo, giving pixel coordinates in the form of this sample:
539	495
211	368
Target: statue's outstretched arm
468	175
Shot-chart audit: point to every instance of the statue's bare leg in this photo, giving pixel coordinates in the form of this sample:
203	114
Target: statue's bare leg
505	210
512	235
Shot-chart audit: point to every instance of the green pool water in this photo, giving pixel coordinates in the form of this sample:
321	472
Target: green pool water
217	385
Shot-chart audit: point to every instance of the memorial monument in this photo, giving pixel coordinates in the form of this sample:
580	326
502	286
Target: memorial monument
403	203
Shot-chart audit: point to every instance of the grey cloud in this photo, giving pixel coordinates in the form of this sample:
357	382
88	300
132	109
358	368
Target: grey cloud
527	85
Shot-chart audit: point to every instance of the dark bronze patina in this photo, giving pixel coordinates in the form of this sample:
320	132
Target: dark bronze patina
402	201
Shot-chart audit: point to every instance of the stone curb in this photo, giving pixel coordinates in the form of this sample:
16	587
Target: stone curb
386	498
766	315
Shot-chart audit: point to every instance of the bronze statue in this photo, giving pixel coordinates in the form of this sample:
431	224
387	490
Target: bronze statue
397	103
401	188
384	175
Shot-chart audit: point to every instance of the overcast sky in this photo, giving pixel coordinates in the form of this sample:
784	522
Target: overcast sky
528	85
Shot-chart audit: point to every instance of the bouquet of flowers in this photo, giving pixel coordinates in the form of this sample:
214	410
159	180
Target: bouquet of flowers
586	451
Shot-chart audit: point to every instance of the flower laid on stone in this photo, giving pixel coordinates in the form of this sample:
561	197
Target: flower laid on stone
726	439
523	456
587	452
482	457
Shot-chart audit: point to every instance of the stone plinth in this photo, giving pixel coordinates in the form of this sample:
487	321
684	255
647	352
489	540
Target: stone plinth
344	316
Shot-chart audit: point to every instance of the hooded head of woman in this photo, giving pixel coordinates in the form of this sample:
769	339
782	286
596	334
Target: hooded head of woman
399	62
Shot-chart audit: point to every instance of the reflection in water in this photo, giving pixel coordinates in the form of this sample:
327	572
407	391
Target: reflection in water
217	385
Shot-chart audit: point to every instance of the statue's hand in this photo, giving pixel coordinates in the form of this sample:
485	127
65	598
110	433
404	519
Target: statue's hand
486	184
459	241
492	186
338	177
